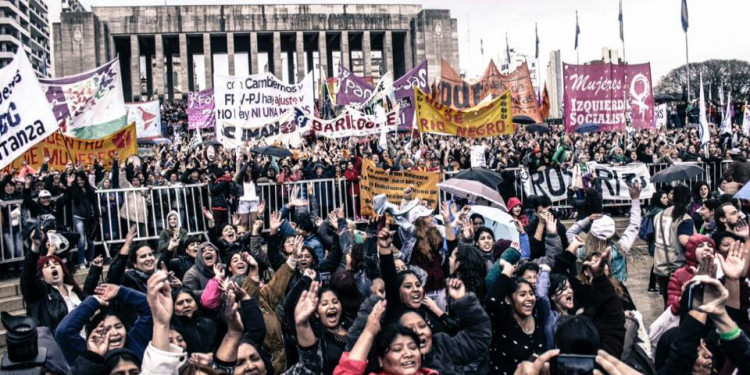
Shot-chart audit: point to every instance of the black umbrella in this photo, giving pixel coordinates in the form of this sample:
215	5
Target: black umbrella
485	176
272	151
521	119
664	98
677	172
537	128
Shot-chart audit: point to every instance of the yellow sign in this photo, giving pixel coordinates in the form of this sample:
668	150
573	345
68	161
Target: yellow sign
84	151
485	120
376	181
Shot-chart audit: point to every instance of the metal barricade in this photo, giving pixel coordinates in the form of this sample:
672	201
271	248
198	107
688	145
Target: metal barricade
147	209
12	222
323	195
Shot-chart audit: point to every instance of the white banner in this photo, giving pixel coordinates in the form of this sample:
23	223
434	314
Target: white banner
27	116
147	118
661	116
351	123
614	180
282	129
746	121
477	157
258	99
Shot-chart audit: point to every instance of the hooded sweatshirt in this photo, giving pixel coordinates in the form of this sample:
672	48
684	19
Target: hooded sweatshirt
513	202
685	274
197	277
166	234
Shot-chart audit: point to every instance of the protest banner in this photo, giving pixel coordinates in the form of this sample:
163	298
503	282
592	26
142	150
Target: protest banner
488	120
404	88
614	180
376	181
200	109
89	105
605	94
257	100
351	123
352	88
478	159
147	119
661	116
85	151
282	130
28	118
459	94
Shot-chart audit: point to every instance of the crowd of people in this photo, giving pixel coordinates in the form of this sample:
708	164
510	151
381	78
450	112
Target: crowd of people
412	290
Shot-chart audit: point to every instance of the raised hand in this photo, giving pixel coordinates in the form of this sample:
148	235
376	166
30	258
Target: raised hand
741	229
734	264
445	212
275	222
232	314
219	272
159	297
257	227
373	321
384	241
236	219
456	289
706	265
596	267
467	229
714	295
98	341
299	243
306	305
107	292
207	213
261	208
132	232
310	273
333	220
550	222
635	190
98	261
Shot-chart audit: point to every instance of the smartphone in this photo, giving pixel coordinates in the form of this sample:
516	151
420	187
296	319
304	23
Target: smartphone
572	364
325	277
695	296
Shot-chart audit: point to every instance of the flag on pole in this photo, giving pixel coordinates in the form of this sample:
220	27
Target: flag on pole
721	94
726	125
196	140
481	46
507	50
704	132
684	16
578	30
619	18
746	120
536	31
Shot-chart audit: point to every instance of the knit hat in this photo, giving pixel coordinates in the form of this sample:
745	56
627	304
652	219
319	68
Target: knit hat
513	202
693	242
603	228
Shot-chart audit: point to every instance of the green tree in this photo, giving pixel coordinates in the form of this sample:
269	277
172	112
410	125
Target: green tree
734	75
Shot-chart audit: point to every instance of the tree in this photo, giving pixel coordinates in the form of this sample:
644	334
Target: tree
734	75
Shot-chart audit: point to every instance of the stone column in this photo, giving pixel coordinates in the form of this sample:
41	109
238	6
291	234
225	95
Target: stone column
135	64
112	50
207	54
408	58
183	73
277	67
253	53
230	53
366	54
323	52
300	44
345	49
101	50
388	51
159	73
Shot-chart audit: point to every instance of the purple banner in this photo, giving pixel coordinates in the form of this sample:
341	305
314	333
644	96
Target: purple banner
404	87
352	89
200	109
608	95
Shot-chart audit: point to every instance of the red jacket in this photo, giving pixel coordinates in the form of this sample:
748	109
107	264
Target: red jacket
348	366
352	179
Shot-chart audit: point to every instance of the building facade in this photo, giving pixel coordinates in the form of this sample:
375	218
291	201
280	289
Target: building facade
54	9
555	84
24	23
166	51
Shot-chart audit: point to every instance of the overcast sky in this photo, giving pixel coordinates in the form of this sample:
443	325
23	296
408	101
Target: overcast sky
719	29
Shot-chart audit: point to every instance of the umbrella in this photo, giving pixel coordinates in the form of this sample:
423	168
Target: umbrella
486	176
537	128
521	119
588	127
473	190
677	172
664	98
501	223
272	151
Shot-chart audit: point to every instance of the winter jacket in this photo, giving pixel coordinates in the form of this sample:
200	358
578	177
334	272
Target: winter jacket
159	362
197	277
352	367
513	202
199	332
683	353
132	278
269	297
165	236
68	333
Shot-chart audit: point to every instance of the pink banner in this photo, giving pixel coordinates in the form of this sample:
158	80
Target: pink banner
200	109
608	95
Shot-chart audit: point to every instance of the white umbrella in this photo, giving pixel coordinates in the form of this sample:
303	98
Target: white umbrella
500	222
474	191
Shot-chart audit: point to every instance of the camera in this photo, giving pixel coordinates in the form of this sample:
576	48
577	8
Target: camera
24	356
571	364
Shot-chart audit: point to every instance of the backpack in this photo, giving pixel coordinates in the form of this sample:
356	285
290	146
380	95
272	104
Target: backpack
647	230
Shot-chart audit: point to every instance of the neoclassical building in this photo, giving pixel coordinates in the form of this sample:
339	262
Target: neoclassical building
166	51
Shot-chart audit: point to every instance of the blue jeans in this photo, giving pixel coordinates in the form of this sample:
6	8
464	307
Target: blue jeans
12	244
85	244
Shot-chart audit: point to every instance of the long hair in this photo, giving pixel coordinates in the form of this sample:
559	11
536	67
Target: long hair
596	245
472	269
697	191
585	280
681	200
429	239
67	276
344	286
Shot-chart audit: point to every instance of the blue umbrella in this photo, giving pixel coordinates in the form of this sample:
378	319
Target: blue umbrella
588	127
744	193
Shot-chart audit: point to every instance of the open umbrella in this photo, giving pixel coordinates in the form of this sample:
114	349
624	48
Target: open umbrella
486	176
537	128
501	223
474	191
588	127
677	172
272	151
522	119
